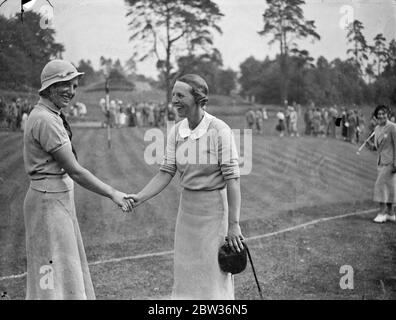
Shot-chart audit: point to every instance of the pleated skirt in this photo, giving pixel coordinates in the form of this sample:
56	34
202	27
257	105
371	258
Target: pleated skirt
384	188
57	267
201	227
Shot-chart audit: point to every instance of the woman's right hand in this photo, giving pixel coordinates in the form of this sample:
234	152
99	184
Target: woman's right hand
137	200
120	199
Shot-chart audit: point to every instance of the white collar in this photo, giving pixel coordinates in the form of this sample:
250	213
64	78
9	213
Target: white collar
200	129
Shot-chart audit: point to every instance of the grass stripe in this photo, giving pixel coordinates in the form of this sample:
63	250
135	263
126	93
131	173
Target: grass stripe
169	252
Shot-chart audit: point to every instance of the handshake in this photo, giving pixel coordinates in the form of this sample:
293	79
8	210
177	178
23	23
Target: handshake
126	202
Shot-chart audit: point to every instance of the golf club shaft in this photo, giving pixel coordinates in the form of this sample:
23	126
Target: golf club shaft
365	141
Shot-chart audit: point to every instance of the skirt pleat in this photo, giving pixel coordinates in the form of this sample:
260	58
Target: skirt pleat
201	228
384	188
57	267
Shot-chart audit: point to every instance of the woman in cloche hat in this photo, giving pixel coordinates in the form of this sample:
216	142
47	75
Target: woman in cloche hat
57	266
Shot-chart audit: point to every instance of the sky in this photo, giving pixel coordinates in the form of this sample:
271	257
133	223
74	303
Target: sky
92	28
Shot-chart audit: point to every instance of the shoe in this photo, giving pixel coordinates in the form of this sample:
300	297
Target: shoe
380	218
391	217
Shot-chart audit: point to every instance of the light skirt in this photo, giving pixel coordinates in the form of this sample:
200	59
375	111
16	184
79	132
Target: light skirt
384	188
57	268
201	227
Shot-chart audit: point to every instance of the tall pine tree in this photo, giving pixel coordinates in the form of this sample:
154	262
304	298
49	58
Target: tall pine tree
284	20
355	37
167	28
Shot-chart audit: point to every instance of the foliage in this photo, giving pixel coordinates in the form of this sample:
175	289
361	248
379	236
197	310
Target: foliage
260	79
115	72
90	75
325	83
368	76
24	50
226	81
284	21
379	51
167	29
359	48
208	66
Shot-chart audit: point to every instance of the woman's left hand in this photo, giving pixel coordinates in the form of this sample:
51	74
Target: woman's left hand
121	200
235	237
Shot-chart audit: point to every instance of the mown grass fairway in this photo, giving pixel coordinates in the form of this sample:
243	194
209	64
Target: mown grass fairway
293	181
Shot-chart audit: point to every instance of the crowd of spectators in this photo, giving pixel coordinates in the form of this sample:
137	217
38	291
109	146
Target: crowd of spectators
346	123
14	113
141	114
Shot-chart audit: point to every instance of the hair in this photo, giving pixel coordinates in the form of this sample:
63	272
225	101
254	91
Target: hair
381	107
45	93
199	88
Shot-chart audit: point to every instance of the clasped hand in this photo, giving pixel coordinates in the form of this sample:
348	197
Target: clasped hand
121	199
135	198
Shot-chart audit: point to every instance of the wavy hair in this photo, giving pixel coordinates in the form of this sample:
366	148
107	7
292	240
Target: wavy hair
381	107
199	88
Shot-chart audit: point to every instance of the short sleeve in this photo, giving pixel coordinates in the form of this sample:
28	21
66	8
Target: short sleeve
227	154
169	163
393	136
50	134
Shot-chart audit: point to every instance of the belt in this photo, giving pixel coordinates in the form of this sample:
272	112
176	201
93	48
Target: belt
52	183
205	190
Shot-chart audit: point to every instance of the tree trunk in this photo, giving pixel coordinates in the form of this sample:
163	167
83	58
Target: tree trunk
167	63
357	55
283	89
283	71
168	81
168	72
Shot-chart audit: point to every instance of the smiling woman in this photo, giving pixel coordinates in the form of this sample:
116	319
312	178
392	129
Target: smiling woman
57	266
210	201
188	92
185	98
61	93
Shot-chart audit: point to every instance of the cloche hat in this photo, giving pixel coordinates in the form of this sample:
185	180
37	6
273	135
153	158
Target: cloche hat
57	71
